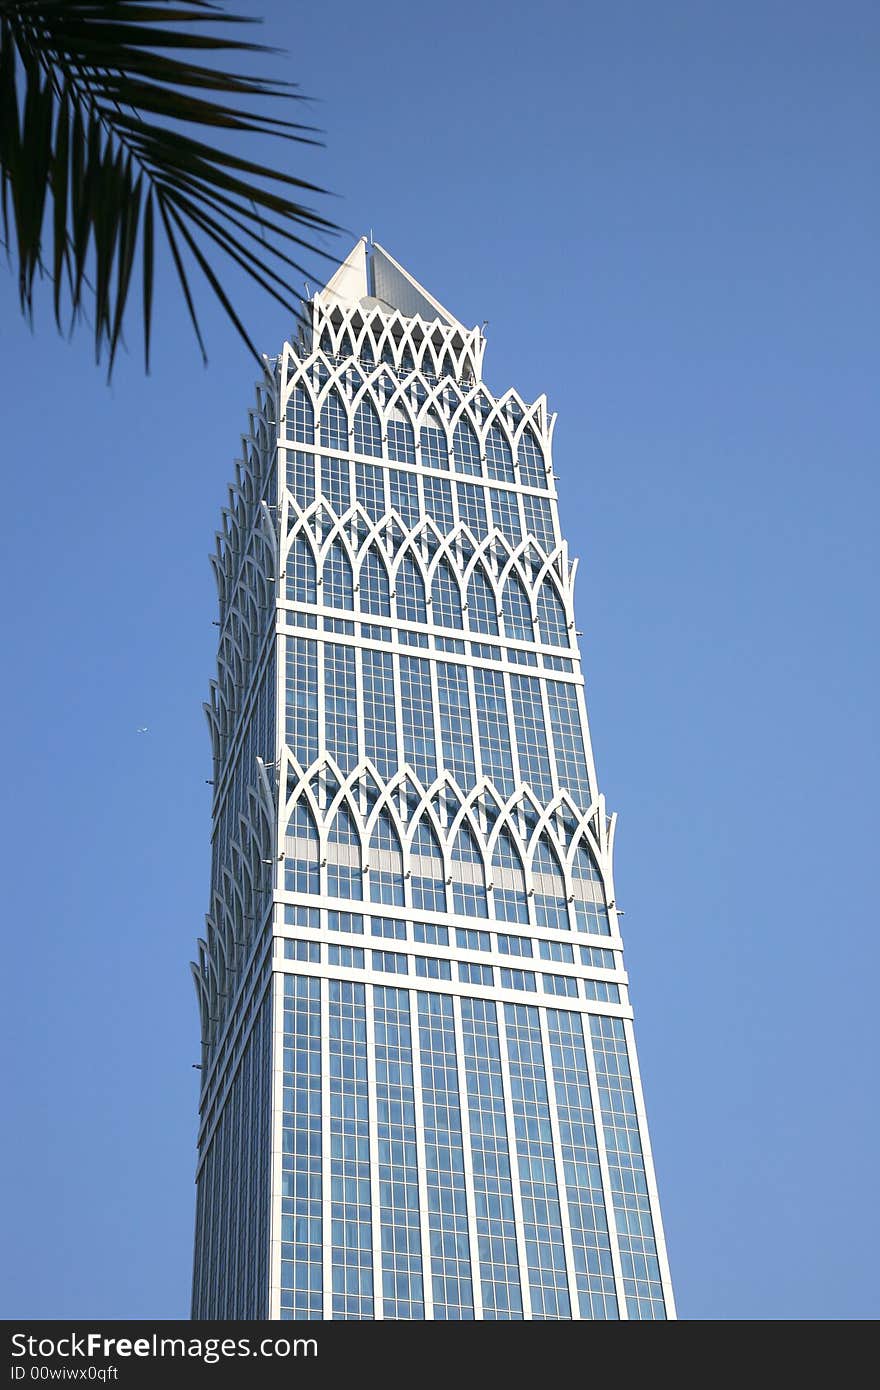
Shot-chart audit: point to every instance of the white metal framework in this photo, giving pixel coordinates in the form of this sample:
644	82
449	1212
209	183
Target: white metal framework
420	1095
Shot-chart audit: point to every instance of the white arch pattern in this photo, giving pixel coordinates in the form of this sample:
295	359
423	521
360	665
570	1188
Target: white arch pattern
387	378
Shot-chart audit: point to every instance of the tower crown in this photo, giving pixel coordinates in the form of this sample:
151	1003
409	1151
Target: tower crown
371	277
373	309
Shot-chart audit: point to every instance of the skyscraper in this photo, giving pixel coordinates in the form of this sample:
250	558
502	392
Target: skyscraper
420	1096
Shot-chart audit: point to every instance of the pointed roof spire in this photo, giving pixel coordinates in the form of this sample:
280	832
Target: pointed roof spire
403	292
382	280
349	283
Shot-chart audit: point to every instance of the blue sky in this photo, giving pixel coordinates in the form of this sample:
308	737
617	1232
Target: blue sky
670	217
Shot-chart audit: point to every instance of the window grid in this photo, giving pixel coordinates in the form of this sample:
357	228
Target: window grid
488	747
433	441
300	416
552	626
302	873
367	430
517	610
438	502
511	903
350	1204
401	438
369	487
340	704
490	1157
335	483
338	585
379	714
417	716
334	422
301	477
629	1186
568	741
374	587
404	494
401	1243
542	1218
444	1161
301	582
301	1177
432	968
499	460
475	973
386	862
445	598
505	514
538	512
482	608
350	956
493	722
303	950
472	509
468	879
454	709
344	877
301	699
531	735
427	882
565	985
391	962
466	448
514	945
410	593
532	466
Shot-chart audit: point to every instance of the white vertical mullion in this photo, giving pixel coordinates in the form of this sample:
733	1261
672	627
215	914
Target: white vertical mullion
401	760
326	1225
475	725
321	650
373	1122
361	754
648	1159
511	724
320	494
456	515
610	1214
433	664
276	986
276	1164
398	706
418	1102
513	1157
548	729
561	1188
520	505
463	1110
585	729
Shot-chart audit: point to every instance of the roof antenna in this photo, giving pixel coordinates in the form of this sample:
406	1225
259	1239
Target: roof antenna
372	242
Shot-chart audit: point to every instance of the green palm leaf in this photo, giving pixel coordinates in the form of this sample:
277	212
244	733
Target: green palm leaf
98	101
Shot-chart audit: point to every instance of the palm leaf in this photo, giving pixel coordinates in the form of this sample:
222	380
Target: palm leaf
100	102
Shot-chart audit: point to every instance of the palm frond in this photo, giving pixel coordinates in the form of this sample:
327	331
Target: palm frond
99	102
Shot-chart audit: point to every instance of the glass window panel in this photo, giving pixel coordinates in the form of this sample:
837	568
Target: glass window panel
532	466
367	431
300	417
466	448
453	704
380	728
568	741
334	422
499	460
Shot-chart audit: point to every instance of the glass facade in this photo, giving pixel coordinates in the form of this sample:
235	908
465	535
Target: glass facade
420	1095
